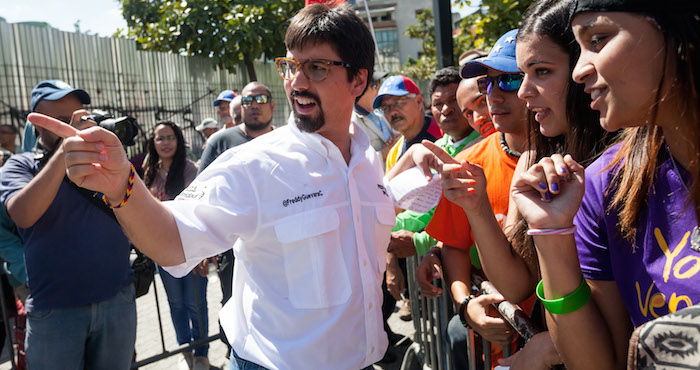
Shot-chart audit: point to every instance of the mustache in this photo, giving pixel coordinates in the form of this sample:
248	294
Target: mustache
396	117
305	94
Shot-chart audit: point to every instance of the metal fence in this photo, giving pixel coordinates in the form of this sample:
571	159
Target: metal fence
121	79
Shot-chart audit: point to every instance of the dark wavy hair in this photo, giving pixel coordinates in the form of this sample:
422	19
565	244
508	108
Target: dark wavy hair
338	26
585	139
175	182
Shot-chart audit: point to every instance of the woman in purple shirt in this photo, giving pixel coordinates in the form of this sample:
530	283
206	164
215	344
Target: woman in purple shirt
635	255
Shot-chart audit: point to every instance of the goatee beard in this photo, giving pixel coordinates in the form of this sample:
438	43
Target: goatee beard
308	123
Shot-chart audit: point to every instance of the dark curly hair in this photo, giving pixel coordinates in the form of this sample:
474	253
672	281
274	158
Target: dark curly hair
446	76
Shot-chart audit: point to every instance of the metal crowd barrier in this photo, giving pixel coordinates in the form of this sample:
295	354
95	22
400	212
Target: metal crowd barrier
165	353
430	319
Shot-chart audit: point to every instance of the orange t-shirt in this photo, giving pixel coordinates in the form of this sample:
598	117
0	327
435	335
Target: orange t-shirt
449	223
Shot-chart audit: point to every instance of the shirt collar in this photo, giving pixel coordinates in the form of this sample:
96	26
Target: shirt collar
361	110
359	141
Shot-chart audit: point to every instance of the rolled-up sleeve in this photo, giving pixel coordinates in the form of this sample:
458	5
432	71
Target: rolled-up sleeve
217	208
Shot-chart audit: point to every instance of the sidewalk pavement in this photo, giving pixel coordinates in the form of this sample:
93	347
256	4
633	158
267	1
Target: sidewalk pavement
148	337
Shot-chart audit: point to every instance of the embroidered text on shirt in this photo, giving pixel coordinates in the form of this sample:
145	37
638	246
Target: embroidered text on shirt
193	192
301	198
383	189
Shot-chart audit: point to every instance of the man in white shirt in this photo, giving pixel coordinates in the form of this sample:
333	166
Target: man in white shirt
304	208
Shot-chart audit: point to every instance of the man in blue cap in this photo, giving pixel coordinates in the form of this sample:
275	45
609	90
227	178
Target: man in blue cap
402	104
222	103
499	79
81	309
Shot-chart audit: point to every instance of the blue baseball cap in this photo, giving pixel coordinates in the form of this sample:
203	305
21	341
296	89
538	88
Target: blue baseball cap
226	95
396	86
501	58
54	90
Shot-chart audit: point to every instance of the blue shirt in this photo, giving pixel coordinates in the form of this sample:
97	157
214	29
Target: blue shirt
379	121
75	254
28	138
11	250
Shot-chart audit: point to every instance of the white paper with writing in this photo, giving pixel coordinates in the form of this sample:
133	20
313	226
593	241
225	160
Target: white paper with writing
413	192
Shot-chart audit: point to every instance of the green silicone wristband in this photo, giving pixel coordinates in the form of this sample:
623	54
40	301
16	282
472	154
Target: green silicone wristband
568	304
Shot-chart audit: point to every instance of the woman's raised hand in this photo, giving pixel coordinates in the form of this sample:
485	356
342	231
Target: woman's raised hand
549	193
95	158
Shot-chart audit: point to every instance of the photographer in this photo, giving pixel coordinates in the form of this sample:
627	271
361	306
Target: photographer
81	309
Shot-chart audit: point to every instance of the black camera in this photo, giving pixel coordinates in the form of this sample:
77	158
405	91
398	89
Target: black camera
125	127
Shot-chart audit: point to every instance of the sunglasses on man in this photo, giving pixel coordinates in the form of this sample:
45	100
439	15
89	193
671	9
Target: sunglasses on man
507	82
314	69
260	99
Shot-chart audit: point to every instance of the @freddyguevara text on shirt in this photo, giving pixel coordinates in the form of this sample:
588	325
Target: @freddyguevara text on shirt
302	197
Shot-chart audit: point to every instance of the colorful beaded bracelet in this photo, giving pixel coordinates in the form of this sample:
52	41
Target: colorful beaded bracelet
568	304
129	187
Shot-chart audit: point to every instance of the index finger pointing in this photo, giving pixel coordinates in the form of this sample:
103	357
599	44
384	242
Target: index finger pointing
49	123
439	152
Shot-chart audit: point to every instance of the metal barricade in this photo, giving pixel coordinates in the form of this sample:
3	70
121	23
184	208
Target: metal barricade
431	317
165	353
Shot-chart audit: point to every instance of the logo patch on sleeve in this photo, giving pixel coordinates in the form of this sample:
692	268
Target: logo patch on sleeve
192	192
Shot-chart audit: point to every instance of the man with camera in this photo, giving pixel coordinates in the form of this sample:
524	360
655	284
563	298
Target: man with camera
76	254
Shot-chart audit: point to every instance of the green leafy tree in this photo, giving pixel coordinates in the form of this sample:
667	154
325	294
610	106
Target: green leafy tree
493	18
230	32
426	64
478	30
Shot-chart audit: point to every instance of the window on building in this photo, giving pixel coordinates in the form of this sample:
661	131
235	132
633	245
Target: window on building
388	46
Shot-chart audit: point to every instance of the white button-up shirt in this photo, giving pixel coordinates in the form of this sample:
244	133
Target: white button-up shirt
310	234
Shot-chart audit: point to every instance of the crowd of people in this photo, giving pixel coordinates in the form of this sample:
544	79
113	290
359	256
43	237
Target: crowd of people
570	169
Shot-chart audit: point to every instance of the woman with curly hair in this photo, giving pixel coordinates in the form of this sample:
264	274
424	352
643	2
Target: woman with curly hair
166	173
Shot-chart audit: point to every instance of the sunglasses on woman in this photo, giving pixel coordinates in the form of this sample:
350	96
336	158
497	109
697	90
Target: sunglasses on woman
260	99
507	82
314	69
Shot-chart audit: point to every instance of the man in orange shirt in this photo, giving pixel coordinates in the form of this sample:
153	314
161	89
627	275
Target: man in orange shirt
498	155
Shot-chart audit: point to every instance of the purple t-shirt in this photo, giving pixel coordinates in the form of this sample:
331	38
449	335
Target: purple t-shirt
659	273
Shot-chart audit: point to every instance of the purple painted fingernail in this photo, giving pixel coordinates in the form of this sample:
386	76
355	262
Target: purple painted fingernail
555	186
543	186
562	170
547	196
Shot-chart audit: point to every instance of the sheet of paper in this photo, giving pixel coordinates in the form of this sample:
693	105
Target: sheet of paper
412	191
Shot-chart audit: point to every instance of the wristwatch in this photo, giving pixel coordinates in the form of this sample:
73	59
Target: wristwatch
435	252
463	308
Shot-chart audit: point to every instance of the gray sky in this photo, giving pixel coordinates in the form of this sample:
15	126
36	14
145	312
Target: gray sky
98	16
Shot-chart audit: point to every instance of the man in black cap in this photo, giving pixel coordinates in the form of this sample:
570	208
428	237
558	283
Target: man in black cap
81	311
381	135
